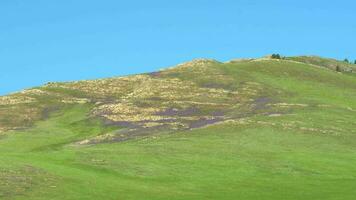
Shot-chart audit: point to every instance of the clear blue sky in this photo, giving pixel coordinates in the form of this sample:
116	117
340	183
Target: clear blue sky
60	40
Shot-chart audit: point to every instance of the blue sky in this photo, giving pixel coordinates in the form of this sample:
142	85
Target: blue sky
62	40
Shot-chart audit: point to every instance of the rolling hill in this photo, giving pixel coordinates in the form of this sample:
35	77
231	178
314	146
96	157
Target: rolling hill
244	129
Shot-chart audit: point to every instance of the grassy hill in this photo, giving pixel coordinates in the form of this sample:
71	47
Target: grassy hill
324	62
244	129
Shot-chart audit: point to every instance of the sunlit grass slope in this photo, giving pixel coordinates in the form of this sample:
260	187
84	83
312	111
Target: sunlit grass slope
247	129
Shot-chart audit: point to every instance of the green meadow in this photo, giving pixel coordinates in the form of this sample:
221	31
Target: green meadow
286	130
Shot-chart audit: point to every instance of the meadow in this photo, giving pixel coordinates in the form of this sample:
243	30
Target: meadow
260	129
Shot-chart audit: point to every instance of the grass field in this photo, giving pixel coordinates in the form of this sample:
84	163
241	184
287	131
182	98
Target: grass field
295	139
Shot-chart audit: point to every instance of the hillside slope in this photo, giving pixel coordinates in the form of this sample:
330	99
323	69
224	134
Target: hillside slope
324	62
248	129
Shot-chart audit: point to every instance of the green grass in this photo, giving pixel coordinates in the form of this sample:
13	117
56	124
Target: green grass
306	153
218	162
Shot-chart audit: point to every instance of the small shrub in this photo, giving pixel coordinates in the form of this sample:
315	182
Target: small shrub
276	56
338	69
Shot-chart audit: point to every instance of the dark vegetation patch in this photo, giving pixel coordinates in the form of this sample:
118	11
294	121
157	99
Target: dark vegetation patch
144	103
48	111
155	99
261	103
154	74
68	92
124	124
2	137
129	134
16	117
218	113
106	100
192	111
204	122
215	85
16	183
